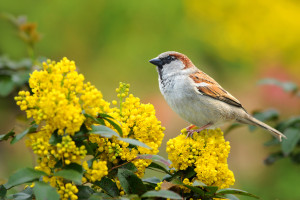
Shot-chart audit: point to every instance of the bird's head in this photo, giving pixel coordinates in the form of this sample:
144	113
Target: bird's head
171	62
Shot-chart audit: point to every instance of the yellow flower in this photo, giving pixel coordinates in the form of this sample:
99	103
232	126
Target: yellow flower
207	153
97	171
137	121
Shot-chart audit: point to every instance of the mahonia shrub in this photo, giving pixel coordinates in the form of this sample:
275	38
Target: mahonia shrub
89	148
206	154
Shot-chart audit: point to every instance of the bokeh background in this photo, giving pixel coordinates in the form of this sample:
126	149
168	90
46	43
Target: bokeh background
236	42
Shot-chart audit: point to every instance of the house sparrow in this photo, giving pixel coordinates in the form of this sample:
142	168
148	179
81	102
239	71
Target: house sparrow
197	97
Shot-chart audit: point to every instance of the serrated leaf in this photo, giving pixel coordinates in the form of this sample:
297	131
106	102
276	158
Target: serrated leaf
161	194
157	166
235	191
288	145
24	175
7	135
130	182
44	191
103	131
134	142
21	135
108	186
84	192
70	174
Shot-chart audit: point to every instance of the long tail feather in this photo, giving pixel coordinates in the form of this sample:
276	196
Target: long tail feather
252	121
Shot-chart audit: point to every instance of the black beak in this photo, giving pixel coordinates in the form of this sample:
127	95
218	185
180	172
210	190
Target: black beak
156	61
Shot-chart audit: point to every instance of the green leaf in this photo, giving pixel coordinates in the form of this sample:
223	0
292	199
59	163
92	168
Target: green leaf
210	189
130	182
235	191
103	131
116	126
134	142
157	166
24	175
97	120
6	85
199	183
44	191
84	192
231	197
108	186
21	135
288	145
266	115
20	196
7	135
130	166
3	191
161	194
293	121
75	166
70	174
103	115
197	190
55	138
101	196
152	180
189	172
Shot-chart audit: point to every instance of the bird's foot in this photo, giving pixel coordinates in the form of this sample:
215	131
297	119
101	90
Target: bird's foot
191	131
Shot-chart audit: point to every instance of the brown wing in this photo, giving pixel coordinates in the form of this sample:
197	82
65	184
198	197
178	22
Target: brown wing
213	89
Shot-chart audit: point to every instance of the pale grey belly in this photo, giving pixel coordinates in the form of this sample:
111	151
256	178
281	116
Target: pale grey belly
201	112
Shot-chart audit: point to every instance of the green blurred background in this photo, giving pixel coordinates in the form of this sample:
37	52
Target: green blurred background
236	42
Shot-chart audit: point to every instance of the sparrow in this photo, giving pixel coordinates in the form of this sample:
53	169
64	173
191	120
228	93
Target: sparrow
198	98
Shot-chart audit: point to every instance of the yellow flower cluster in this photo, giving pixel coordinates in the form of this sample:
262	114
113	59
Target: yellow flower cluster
207	153
59	97
58	102
97	171
68	151
68	191
138	121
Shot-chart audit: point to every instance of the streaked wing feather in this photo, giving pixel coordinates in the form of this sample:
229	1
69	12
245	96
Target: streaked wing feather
213	89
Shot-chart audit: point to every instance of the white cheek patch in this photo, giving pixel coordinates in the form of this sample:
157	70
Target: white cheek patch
202	84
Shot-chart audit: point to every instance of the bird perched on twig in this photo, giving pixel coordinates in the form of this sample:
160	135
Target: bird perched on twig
197	97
